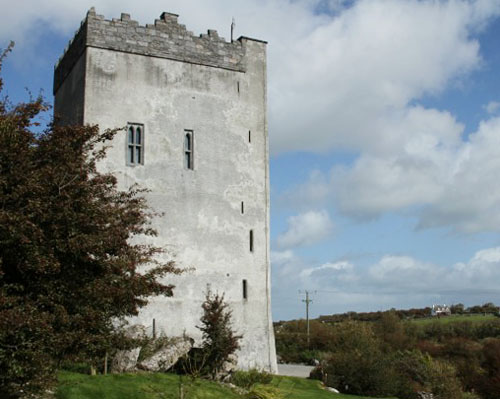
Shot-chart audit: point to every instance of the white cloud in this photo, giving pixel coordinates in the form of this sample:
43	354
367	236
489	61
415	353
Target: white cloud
306	229
443	182
392	281
281	257
331	267
363	69
315	192
404	274
335	81
492	107
331	274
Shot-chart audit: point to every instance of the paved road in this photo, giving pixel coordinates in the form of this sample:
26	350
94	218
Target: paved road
294	370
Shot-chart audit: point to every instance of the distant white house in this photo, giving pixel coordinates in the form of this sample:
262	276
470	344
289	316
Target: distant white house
440	310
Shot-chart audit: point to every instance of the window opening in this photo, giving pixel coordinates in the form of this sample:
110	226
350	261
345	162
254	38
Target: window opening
245	290
249	136
251	240
135	144
242	208
188	149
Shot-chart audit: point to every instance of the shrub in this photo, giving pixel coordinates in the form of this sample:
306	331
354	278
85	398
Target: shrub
358	365
219	339
488	384
247	379
418	372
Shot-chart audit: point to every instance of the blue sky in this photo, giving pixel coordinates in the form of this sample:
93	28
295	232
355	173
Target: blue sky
384	130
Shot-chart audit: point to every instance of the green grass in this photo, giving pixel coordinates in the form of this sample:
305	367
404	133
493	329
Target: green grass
136	386
166	386
475	318
301	388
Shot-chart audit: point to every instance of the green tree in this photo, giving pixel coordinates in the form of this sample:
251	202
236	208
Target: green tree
417	372
69	269
392	331
219	339
357	364
488	384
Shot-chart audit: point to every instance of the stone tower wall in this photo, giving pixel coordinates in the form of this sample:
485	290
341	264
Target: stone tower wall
165	39
169	81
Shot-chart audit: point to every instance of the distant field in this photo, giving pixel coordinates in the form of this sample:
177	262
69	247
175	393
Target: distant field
163	386
475	318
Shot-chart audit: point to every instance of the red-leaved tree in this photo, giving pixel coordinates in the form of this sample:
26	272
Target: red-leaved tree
69	271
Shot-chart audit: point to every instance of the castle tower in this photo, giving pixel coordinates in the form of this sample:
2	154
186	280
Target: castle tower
194	109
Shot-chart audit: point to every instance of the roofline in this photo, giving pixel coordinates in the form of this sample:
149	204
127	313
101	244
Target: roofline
252	39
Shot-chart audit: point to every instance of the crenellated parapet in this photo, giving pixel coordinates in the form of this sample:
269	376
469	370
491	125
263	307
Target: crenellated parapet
166	38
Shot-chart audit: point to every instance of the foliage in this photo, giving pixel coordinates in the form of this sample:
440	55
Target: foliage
358	364
417	372
219	340
69	271
488	384
194	364
291	341
392	331
461	350
247	379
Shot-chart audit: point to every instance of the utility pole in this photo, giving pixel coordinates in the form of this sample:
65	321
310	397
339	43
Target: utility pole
307	302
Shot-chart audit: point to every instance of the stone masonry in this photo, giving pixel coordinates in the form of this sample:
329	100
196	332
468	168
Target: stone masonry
194	114
165	39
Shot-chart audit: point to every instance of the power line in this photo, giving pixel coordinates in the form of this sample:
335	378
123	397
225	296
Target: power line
307	302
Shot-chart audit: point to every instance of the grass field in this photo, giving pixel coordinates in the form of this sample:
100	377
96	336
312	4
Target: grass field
474	318
167	386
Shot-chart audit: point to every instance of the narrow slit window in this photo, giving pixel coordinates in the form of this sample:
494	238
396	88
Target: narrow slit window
251	240
249	136
245	289
135	144
242	208
238	86
188	149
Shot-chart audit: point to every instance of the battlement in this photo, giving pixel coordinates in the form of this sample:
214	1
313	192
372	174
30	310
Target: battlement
166	38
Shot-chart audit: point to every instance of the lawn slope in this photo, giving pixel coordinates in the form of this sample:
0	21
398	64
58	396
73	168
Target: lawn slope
167	386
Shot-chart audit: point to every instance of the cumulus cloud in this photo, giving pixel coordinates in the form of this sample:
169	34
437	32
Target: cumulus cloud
331	272
443	182
451	185
314	192
492	107
391	281
365	62
365	66
306	229
346	79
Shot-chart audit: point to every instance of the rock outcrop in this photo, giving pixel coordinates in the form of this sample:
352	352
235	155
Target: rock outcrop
167	356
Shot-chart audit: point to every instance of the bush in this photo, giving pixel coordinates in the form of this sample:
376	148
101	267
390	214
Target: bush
219	340
358	365
488	384
418	372
247	379
78	367
26	366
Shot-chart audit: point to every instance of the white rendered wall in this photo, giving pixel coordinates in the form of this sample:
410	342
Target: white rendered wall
202	226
